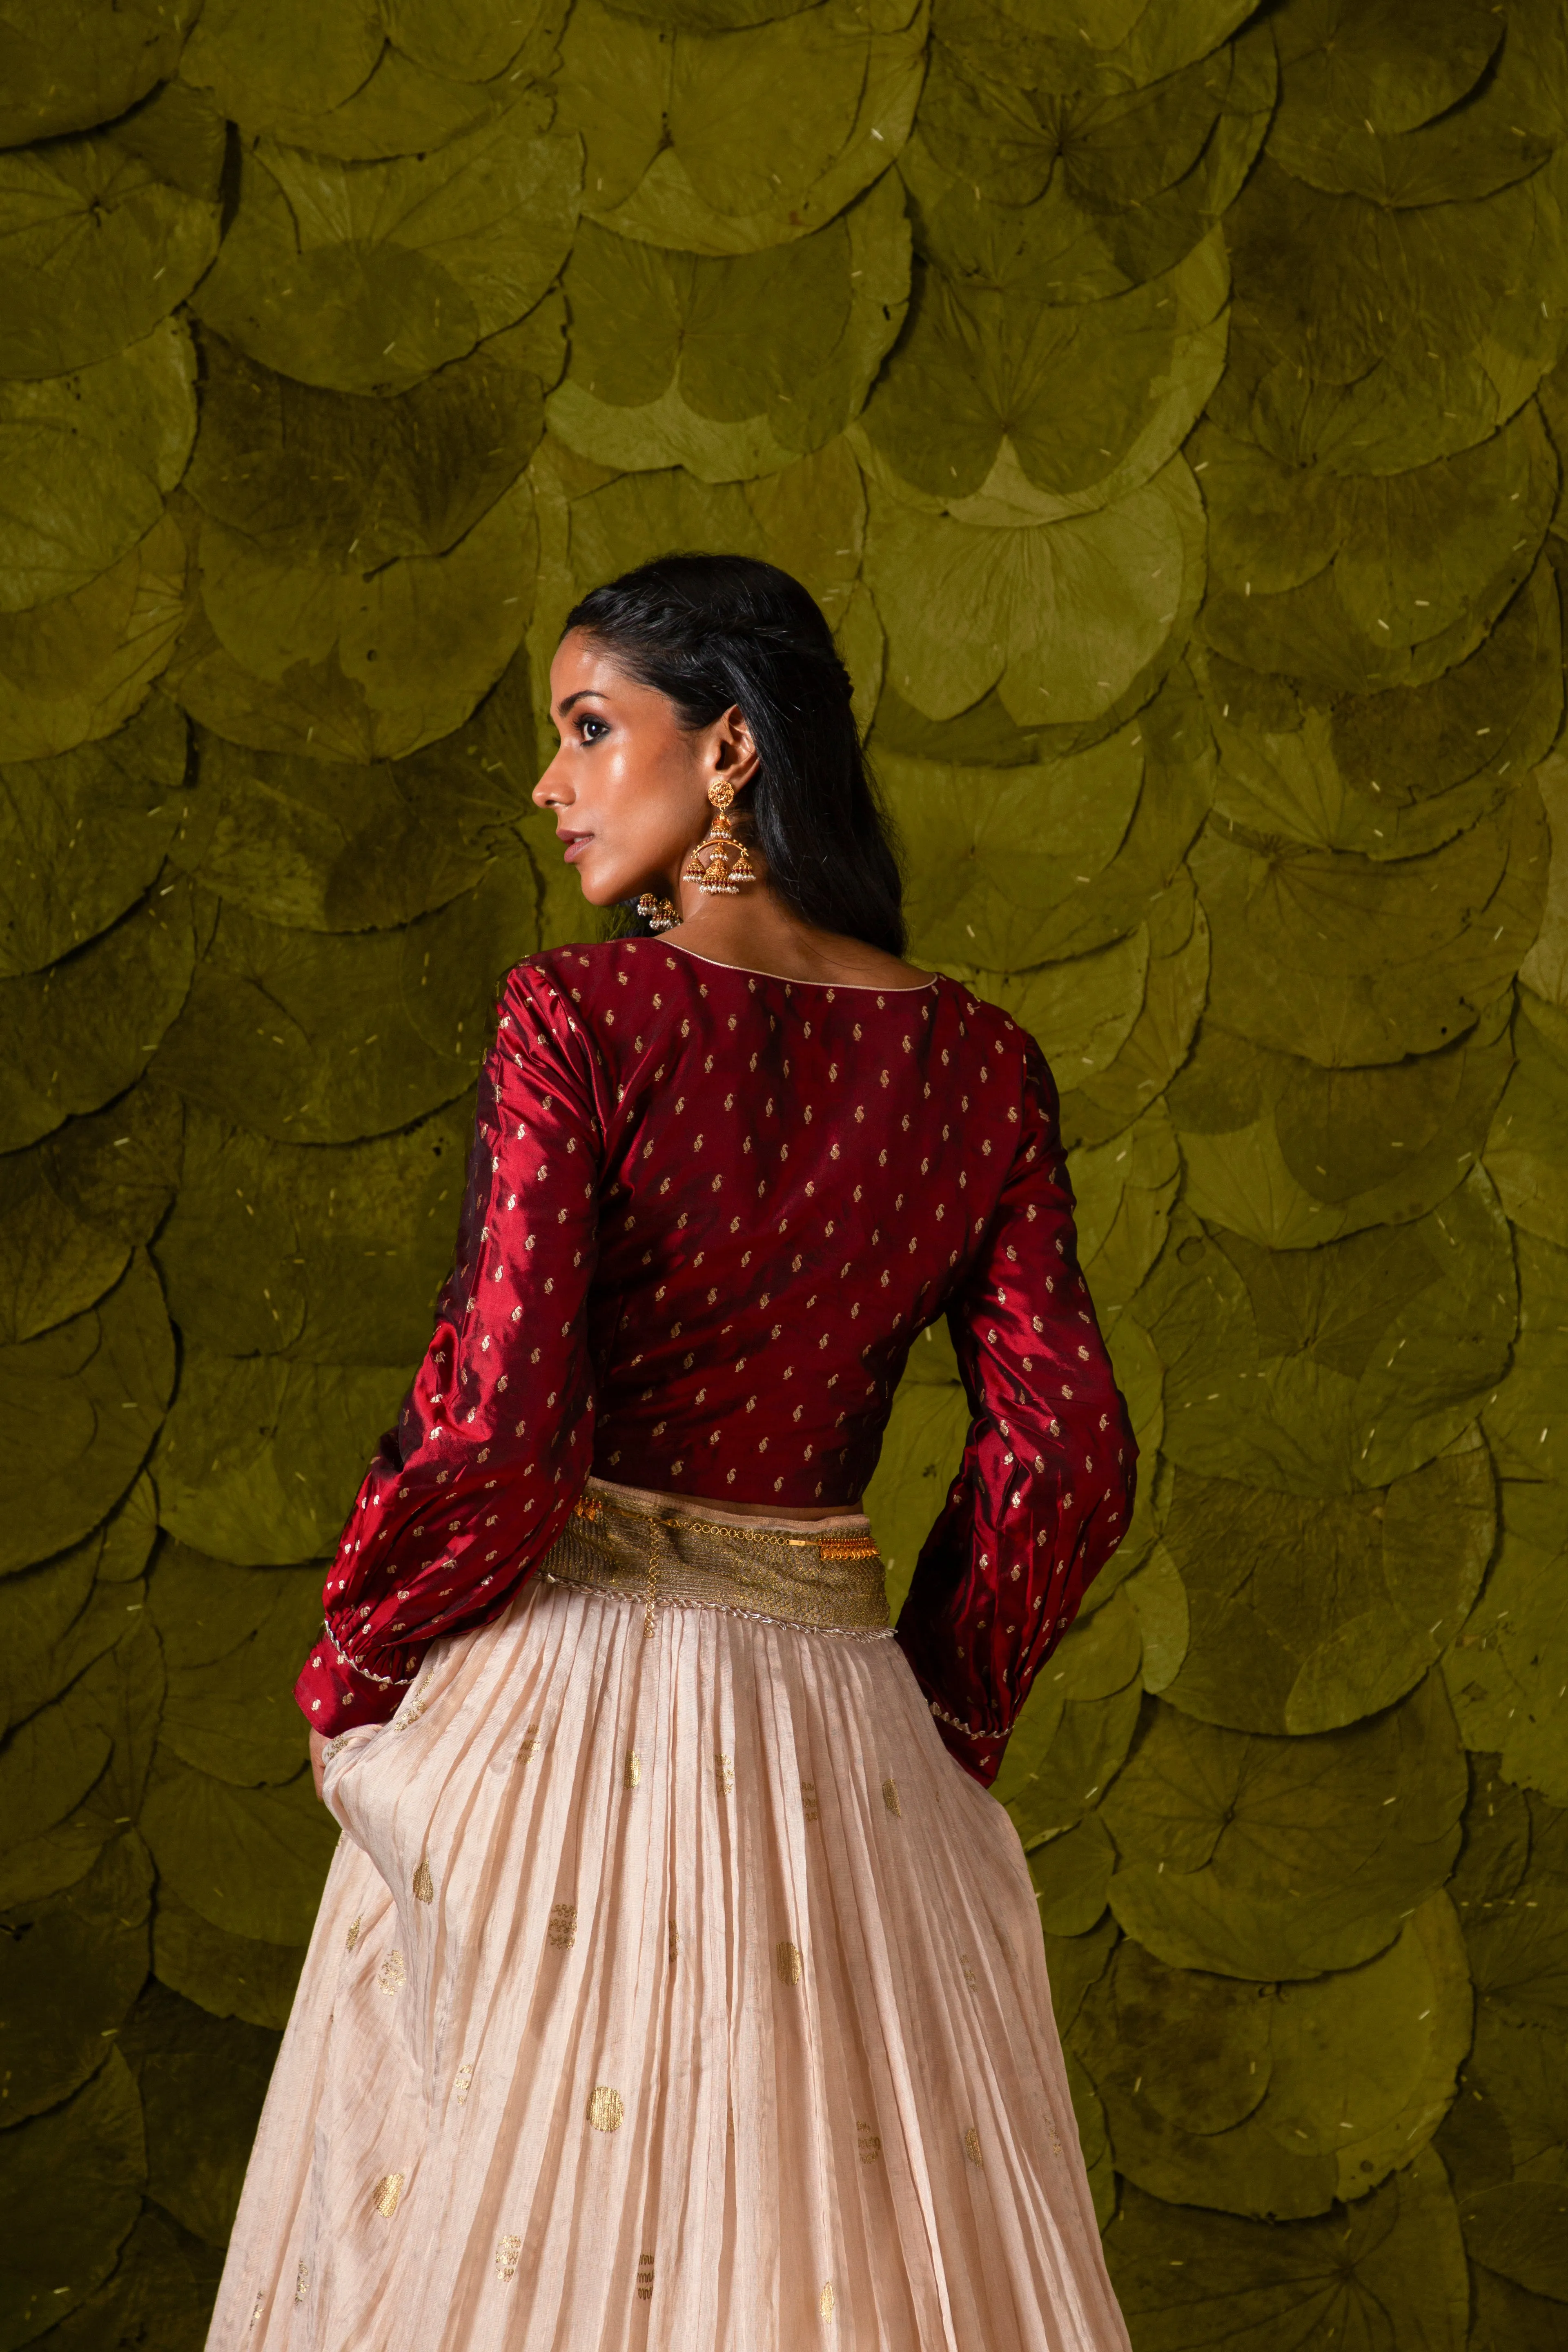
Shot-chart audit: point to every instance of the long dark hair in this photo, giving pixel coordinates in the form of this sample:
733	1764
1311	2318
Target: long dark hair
712	631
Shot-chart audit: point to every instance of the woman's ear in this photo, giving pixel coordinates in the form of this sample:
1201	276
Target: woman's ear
732	753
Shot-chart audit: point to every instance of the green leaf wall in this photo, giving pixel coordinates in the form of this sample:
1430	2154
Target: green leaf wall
1165	399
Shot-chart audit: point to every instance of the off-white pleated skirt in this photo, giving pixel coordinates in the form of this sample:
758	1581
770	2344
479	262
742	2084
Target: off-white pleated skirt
672	1988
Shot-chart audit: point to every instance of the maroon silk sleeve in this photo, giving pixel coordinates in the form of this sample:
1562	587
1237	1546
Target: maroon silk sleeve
495	1436
1045	1492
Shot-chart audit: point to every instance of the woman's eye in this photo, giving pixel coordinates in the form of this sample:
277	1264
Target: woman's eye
591	728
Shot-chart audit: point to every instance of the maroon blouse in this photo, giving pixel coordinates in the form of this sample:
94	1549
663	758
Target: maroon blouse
707	1212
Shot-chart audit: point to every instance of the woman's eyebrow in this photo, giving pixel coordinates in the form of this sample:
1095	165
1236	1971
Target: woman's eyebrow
582	691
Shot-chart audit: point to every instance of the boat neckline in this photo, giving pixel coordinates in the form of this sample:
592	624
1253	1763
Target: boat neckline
849	987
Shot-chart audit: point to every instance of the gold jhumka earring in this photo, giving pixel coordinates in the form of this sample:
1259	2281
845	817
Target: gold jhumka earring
659	914
719	864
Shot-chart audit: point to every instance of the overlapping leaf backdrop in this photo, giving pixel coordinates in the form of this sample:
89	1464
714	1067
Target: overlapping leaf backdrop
1165	399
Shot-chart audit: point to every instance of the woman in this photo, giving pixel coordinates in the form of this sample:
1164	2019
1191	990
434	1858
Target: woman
677	1982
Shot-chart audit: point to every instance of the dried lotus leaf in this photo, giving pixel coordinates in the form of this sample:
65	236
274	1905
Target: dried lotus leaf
1506	1670
1302	938
664	370
201	2080
351	481
248	1860
268	1244
87	1029
87	458
84	1402
1100	1104
921	1454
71	2182
101	237
257	55
1305	1613
1008	414
1253	2285
1527	1149
278	1030
368	276
1070	1873
1277	1859
1371	98
351	666
76	668
227	1975
1337	1368
66	65
735	174
1064	617
260	1458
74	1962
1523	1425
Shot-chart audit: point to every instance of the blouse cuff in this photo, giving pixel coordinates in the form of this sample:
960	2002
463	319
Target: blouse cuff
333	1694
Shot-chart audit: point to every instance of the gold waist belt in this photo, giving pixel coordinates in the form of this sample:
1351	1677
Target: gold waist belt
639	1548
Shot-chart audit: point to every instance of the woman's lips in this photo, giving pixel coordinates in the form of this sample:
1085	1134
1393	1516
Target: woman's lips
573	844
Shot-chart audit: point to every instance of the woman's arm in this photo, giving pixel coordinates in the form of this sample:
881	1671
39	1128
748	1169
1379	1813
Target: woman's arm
495	1436
1045	1492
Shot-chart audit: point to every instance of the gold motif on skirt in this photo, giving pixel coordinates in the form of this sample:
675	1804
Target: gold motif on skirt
633	1769
564	1927
890	1798
791	1965
971	2148
870	2142
606	2108
808	1801
255	2313
423	1884
530	1747
352	1939
826	2302
506	2252
674	1943
724	1772
386	2192
645	2278
302	2281
1051	2128
460	2087
394	1976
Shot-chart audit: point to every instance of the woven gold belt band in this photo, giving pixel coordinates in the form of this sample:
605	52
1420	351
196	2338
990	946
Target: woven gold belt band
645	1550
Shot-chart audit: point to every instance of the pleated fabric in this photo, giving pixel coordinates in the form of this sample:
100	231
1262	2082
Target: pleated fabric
671	1988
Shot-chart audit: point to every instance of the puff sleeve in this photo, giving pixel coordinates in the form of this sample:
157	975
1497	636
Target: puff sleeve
1044	1491
495	1436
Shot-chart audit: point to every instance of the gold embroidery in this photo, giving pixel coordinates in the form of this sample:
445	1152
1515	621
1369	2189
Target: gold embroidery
824	2301
791	1965
971	2146
394	1975
461	2088
255	2313
530	1747
506	2252
970	1979
302	2281
645	2278
724	1773
870	2142
633	1769
643	1552
606	2108
423	1884
890	1798
352	1939
808	1801
674	1943
1051	2128
386	2192
564	1927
